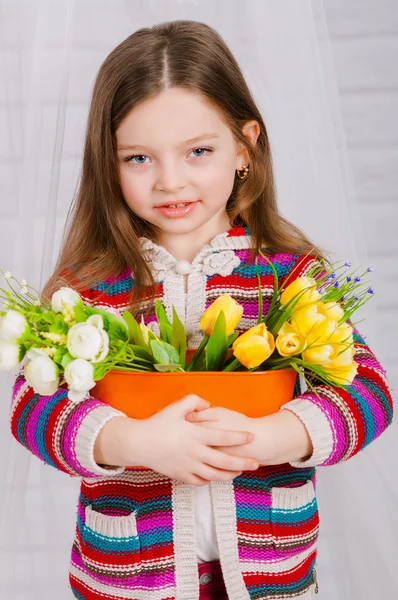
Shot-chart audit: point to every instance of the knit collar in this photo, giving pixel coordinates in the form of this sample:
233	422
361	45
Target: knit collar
222	245
237	237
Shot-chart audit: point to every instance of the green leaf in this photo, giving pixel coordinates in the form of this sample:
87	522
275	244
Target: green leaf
134	329
276	288
118	330
179	337
216	349
82	312
165	326
164	353
232	337
22	352
66	359
60	353
141	352
168	368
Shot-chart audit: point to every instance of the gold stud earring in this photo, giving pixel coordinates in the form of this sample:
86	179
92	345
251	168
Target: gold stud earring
243	172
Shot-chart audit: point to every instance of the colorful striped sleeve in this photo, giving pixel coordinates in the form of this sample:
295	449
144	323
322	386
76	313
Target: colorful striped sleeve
343	421
57	430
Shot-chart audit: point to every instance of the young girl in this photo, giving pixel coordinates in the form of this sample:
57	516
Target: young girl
176	198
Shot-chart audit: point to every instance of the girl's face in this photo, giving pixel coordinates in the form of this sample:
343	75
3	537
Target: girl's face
160	162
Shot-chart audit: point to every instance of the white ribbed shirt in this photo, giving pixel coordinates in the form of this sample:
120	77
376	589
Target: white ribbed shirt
206	540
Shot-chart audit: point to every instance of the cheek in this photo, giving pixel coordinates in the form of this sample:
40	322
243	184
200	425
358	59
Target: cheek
133	189
219	180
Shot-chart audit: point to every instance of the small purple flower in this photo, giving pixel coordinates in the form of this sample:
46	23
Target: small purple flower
370	269
349	279
347	264
356	297
357	279
370	291
343	297
336	284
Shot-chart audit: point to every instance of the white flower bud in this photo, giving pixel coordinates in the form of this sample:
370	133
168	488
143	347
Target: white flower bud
12	325
9	355
42	373
64	298
79	376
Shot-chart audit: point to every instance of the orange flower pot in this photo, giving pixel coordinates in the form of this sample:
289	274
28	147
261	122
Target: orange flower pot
140	395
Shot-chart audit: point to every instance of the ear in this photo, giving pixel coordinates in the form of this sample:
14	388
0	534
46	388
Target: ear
251	130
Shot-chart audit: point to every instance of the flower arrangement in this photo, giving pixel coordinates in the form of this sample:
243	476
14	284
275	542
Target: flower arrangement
307	328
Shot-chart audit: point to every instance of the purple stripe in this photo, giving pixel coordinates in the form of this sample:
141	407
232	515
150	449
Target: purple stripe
338	424
17	386
379	416
70	429
32	432
263	554
243	496
158	519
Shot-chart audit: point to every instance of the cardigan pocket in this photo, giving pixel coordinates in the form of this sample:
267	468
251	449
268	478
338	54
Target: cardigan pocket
110	547
294	519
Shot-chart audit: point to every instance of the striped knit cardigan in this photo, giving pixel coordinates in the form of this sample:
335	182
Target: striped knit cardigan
135	530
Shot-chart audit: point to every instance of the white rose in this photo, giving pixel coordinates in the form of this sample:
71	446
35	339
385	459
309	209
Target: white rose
64	296
88	340
42	374
79	375
9	355
12	325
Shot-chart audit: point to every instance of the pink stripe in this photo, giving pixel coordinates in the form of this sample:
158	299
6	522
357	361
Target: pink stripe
31	429
338	423
249	497
159	519
70	429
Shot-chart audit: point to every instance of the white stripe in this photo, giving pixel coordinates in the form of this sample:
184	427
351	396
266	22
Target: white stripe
108	592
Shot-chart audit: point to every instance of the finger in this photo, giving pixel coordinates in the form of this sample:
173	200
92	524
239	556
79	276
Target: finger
207	414
212	474
223	437
222	460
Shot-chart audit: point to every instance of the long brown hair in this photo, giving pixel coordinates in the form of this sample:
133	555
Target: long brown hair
101	233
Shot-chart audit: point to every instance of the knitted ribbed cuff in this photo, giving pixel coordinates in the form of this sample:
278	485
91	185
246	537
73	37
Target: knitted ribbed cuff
318	428
85	440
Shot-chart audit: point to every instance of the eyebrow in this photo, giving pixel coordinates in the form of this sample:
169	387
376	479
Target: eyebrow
190	141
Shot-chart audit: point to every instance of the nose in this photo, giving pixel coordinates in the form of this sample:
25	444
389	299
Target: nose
169	178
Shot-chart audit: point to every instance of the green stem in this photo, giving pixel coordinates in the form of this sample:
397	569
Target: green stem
198	353
233	365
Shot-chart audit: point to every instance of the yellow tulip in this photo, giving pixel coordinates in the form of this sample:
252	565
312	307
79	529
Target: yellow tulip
322	332
319	354
331	310
233	312
343	375
305	318
297	287
343	333
289	340
254	346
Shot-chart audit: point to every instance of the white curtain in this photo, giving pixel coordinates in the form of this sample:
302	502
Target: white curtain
50	52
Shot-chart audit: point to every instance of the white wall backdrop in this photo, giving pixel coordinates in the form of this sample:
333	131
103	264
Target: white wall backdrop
346	100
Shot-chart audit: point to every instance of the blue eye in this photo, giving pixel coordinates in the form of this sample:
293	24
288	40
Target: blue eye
130	159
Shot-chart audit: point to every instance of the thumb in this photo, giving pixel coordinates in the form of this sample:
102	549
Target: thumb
193	402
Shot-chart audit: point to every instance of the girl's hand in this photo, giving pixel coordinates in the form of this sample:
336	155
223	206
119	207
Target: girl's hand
218	417
171	445
278	438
